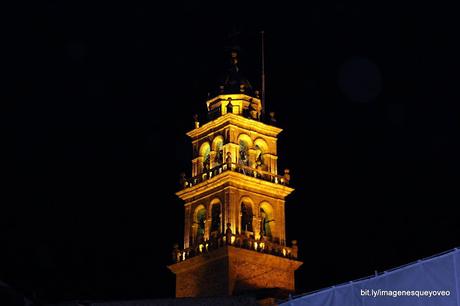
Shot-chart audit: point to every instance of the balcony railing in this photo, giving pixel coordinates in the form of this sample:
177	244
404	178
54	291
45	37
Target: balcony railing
240	241
249	171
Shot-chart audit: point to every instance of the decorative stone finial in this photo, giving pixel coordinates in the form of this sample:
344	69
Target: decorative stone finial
287	175
229	105
228	159
197	123
294	249
176	253
183	180
253	109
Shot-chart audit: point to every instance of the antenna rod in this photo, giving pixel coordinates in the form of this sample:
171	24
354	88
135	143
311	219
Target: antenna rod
263	74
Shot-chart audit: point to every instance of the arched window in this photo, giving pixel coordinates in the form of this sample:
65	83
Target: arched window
261	148
259	157
200	221
217	146
244	153
246	217
205	150
215	215
245	142
266	220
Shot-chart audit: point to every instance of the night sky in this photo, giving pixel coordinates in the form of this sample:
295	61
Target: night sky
102	93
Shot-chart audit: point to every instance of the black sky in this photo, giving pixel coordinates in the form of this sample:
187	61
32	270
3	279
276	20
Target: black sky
101	95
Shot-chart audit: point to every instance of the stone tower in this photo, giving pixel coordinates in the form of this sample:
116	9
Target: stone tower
234	233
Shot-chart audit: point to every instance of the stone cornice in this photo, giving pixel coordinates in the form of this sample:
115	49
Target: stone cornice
237	180
235	120
231	252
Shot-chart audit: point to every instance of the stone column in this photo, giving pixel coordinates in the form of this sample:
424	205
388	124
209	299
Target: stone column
256	226
234	149
187	226
212	158
281	224
194	229
207	224
234	218
195	166
256	221
252	158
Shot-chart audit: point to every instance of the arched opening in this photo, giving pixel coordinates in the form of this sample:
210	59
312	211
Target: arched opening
267	221
215	218
261	148
217	146
245	143
244	153
205	151
246	216
200	222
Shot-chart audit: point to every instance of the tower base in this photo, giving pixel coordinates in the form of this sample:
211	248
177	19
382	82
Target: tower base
235	271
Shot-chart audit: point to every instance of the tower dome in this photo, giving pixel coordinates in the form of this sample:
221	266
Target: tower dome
234	94
233	81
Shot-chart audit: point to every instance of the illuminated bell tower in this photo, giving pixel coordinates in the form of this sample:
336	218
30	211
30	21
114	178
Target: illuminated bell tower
234	233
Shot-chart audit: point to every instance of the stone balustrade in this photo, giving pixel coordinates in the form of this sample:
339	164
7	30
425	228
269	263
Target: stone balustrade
241	241
249	171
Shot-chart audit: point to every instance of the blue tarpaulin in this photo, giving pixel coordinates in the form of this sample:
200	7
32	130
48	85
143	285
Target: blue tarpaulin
429	282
